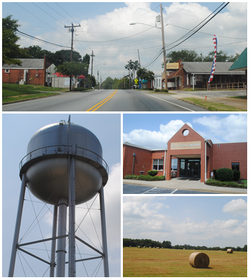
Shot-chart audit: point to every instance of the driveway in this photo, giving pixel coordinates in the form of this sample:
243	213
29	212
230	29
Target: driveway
184	185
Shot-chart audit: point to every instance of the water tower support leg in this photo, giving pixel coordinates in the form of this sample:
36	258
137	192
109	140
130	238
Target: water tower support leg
72	264
104	235
53	245
61	252
18	224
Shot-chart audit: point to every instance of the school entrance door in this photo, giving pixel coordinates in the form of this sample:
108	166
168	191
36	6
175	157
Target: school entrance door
190	168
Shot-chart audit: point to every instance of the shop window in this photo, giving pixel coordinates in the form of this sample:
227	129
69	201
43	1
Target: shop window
157	164
235	166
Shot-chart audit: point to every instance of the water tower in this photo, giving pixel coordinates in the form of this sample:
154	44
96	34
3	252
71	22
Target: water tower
63	167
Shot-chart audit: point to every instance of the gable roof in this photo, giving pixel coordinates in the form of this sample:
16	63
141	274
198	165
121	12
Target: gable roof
222	68
241	62
27	63
184	127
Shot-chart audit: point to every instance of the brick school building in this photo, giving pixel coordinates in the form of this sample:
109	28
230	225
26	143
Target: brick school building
187	155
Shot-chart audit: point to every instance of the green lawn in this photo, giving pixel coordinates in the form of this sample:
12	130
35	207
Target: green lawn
15	92
211	106
147	262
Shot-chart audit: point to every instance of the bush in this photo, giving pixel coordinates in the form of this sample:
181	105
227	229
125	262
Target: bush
164	90
236	175
152	172
157	90
213	182
145	177
224	174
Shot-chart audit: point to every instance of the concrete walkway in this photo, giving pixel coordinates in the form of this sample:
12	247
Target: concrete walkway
186	185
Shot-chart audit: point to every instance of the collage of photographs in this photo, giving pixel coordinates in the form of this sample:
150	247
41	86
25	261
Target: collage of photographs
124	139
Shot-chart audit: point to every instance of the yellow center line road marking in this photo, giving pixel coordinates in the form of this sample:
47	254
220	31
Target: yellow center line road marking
98	105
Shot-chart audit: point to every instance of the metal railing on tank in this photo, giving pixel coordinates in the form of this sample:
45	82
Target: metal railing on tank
63	150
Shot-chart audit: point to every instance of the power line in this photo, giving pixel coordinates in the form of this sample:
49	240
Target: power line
197	29
46	13
47	42
38	18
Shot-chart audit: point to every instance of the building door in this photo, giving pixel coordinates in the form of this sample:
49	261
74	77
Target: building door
190	168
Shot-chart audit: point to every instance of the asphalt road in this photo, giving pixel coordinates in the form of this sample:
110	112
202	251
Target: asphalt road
104	100
136	189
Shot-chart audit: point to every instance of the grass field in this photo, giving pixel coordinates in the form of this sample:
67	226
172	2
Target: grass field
14	92
154	262
211	106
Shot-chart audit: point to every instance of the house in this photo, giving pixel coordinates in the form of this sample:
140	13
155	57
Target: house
196	74
32	71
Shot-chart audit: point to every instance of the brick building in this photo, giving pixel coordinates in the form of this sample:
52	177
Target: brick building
188	155
32	71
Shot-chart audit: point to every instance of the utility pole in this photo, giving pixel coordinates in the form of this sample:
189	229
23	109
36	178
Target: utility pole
92	57
71	54
164	51
139	58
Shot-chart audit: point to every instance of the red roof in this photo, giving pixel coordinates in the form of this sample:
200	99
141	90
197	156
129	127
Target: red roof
81	77
60	75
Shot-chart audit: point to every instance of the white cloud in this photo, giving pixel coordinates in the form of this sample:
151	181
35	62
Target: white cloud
154	139
236	207
231	128
146	220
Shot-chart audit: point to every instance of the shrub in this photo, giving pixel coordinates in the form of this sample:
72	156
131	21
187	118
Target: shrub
144	177
213	182
164	90
157	90
236	175
152	172
224	174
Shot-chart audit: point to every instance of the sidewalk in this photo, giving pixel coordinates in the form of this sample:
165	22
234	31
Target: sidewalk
186	185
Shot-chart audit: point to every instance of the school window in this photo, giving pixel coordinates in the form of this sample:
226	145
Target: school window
174	164
235	166
157	164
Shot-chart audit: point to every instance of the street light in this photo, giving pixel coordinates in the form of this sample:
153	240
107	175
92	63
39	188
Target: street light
163	44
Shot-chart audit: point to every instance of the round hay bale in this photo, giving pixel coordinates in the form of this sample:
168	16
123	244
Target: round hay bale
229	251
199	260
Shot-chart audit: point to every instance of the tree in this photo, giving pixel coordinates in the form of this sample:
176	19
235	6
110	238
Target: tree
38	52
132	65
72	69
108	83
184	55
10	50
62	56
145	74
166	244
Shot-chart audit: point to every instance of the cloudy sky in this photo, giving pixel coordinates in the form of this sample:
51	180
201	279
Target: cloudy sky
17	131
187	219
154	130
106	30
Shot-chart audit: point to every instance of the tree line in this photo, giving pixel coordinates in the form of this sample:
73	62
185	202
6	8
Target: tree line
128	242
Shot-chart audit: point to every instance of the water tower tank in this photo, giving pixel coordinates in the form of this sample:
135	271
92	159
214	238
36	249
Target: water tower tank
47	163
